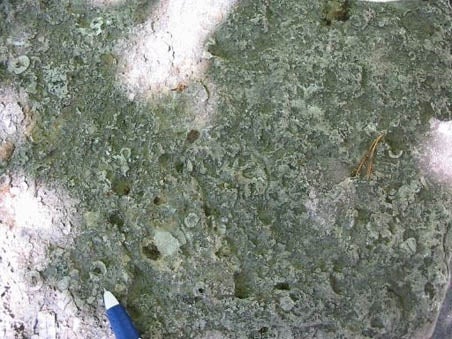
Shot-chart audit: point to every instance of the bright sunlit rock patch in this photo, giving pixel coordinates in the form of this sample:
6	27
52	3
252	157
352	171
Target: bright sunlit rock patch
34	210
33	218
436	158
14	123
168	49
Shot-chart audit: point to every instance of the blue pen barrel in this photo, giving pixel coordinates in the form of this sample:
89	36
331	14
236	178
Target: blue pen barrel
121	324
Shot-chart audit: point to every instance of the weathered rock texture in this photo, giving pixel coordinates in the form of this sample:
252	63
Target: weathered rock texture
247	223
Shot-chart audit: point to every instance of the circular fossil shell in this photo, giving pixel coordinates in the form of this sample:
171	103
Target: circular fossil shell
19	65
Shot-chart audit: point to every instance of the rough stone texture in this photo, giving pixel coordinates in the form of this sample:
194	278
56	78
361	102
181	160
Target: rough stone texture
270	235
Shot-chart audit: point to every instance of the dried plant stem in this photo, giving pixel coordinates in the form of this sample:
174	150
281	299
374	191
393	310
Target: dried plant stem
368	159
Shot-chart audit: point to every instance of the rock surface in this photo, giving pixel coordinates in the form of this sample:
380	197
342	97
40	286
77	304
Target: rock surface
226	205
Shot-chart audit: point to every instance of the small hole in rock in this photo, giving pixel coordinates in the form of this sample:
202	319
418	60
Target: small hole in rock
158	200
284	286
34	281
429	290
151	251
179	166
263	330
98	268
243	285
121	186
116	219
192	136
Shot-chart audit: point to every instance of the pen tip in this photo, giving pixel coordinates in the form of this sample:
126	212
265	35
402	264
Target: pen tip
109	299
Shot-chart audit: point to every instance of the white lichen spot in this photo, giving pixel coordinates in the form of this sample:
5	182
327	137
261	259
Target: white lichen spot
92	219
11	115
19	64
166	243
97	25
191	220
56	79
409	246
286	303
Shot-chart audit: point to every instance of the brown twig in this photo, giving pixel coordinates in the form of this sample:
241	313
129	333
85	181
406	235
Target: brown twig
368	158
179	88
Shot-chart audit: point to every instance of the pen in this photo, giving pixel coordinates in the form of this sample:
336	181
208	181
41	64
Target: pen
120	321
